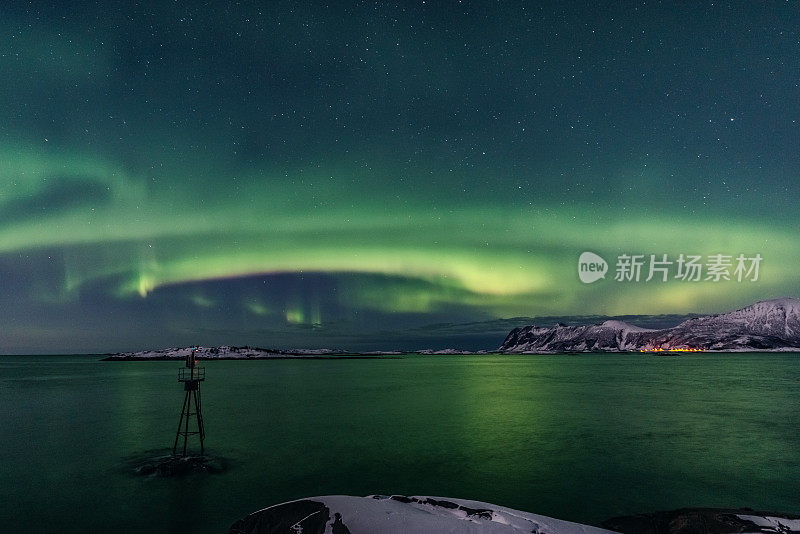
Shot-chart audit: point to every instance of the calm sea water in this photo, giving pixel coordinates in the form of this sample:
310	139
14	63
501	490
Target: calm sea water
576	437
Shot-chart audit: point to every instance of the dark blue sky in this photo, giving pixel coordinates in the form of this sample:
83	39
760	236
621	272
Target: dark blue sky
309	174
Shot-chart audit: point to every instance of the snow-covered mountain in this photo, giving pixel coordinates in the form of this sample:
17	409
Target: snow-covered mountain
770	325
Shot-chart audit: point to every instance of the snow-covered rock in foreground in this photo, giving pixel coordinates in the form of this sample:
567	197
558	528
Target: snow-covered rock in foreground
342	514
770	325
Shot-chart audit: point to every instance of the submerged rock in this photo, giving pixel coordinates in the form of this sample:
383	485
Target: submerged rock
171	466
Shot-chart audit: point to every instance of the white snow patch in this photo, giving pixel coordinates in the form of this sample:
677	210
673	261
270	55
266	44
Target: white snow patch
780	524
367	515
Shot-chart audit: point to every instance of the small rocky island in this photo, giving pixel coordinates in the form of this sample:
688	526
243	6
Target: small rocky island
226	352
229	352
770	325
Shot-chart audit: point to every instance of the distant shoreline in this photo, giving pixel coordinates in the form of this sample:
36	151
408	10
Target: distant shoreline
231	352
400	355
245	358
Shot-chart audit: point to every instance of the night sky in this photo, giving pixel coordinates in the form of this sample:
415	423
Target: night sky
384	175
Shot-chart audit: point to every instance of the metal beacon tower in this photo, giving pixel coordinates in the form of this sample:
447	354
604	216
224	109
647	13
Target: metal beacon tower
191	375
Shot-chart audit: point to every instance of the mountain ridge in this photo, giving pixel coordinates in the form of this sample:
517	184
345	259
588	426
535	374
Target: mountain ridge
767	325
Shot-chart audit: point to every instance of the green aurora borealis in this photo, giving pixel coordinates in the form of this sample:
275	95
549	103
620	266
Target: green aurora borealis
308	174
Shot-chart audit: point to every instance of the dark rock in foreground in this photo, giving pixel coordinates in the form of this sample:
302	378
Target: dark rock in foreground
297	516
771	325
705	521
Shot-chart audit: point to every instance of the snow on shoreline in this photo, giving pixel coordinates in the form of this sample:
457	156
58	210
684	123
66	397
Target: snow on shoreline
229	352
223	352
